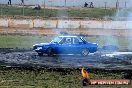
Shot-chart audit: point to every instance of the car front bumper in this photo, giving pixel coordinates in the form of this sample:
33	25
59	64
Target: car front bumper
39	49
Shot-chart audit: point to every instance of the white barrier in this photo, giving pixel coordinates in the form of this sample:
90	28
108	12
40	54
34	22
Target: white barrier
68	24
3	23
89	24
95	24
114	24
45	23
128	24
20	23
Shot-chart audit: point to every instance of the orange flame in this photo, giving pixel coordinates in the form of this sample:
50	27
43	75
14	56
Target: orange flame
84	74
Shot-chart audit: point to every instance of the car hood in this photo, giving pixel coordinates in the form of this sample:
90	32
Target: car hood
41	44
95	43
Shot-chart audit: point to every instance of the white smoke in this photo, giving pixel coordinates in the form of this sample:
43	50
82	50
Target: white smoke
125	14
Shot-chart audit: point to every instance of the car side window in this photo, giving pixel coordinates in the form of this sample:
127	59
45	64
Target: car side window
68	40
76	41
63	41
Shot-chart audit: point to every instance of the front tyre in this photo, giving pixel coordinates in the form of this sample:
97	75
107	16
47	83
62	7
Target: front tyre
40	54
84	52
50	52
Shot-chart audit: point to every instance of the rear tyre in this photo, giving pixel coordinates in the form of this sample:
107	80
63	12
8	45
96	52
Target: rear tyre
40	54
84	52
50	52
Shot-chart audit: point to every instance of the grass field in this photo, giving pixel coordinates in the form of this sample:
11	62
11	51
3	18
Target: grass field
87	12
51	78
13	41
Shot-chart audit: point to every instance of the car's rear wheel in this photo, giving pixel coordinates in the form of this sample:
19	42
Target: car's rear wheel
50	52
40	54
84	52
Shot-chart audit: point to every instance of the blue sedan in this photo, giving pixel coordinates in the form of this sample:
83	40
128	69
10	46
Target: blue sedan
66	45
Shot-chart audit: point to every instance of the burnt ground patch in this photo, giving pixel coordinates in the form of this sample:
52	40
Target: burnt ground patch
28	58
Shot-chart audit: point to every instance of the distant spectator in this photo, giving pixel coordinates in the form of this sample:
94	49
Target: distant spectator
9	2
86	4
91	5
22	2
37	7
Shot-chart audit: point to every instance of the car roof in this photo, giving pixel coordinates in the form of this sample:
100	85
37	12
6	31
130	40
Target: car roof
69	36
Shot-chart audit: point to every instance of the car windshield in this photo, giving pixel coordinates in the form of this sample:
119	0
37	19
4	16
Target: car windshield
56	40
83	40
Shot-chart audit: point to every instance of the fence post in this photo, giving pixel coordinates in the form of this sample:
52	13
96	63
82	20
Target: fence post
1	9
23	10
117	4
125	4
65	3
105	7
73	3
44	8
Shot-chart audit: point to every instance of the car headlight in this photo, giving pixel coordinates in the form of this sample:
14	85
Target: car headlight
39	48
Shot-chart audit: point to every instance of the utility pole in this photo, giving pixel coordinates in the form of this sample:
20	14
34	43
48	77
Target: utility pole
125	4
117	4
105	7
73	3
51	8
1	9
23	10
65	3
44	8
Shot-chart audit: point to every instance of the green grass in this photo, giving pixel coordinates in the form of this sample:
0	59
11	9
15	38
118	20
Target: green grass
92	13
13	41
51	78
87	12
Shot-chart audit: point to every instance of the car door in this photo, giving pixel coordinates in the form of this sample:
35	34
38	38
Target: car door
65	45
77	45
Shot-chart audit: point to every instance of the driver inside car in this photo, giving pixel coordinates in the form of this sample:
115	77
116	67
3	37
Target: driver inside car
68	41
63	41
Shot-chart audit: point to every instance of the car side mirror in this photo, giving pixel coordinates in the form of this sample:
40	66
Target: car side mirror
56	42
80	42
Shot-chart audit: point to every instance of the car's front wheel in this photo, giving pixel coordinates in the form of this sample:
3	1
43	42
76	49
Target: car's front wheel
40	54
50	52
84	52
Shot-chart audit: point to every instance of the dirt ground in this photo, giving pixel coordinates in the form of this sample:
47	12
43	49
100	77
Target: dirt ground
94	32
101	60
